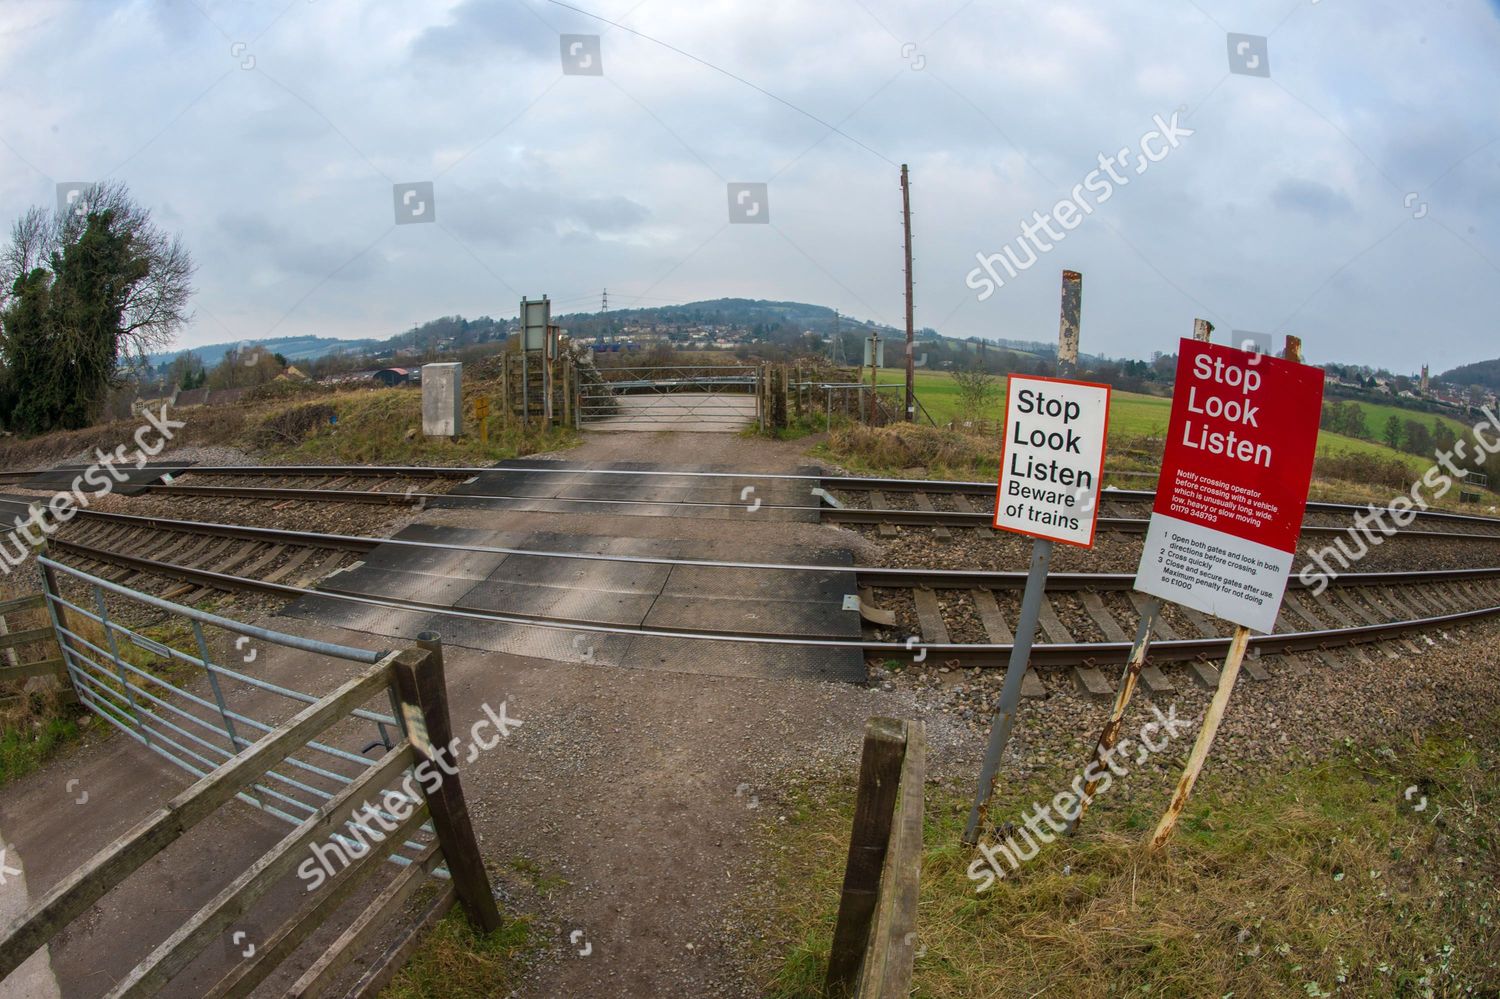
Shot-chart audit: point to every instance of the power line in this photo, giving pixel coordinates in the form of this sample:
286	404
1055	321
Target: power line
719	69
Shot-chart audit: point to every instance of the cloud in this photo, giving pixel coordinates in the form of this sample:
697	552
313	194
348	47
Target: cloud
1310	197
1285	211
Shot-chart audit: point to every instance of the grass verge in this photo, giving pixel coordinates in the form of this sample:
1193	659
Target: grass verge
26	744
1323	880
455	962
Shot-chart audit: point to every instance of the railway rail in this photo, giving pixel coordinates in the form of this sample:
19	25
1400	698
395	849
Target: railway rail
953	615
854	500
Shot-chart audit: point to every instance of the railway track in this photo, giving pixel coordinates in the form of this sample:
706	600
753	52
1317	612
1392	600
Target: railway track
882	503
957	616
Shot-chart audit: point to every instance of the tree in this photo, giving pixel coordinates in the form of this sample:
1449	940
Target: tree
1418	438
244	368
1354	420
976	387
186	371
1393	431
80	294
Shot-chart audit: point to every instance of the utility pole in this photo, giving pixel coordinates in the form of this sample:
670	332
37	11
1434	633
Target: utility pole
911	336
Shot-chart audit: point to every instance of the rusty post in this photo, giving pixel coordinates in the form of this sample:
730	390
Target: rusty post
911	335
1293	350
1031	598
1067	333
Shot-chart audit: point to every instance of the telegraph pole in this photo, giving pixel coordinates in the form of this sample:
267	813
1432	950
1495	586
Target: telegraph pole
911	335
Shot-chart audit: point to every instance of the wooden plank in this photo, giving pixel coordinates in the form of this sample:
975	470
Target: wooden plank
25	671
18	638
1103	618
995	627
1200	622
1302	612
1205	673
33	602
880	765
178	950
324	568
366	925
1031	685
286	938
10	658
255	568
1358	613
878	502
1052	625
1157	683
930	617
291	565
383	969
1294	603
1252	668
1327	607
887	970
1093	683
73	895
1160	628
923	503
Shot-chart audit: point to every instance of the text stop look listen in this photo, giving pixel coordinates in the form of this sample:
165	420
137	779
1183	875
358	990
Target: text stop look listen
1052	458
1233	485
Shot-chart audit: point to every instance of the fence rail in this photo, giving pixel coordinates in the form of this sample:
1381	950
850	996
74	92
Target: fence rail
19	649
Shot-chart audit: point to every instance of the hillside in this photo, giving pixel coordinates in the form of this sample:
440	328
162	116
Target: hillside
1485	373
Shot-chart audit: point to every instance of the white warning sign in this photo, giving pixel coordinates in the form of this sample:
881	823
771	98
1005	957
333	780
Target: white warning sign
1052	458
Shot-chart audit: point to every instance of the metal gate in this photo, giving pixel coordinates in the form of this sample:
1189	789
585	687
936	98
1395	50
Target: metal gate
127	677
714	398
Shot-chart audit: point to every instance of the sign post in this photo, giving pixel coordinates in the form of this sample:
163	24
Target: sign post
1131	675
1229	504
1051	467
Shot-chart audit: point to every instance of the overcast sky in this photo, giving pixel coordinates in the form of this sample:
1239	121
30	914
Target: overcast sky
1351	196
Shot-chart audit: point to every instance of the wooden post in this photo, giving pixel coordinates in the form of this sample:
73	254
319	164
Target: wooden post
424	695
505	385
1202	328
874	806
1211	720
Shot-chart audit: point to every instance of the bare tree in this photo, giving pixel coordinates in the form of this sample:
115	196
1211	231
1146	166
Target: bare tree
155	306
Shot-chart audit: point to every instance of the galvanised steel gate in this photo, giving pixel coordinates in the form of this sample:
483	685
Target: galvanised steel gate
116	671
671	397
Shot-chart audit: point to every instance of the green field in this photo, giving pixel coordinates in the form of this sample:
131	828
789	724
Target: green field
1133	415
1376	415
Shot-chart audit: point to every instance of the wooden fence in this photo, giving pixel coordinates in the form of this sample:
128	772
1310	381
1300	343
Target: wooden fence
29	652
416	677
874	939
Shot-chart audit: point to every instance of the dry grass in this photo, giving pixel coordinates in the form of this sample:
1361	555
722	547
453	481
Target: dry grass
385	427
1321	881
373	425
913	448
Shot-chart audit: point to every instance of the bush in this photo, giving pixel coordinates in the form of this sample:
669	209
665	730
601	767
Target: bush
906	445
292	426
1369	469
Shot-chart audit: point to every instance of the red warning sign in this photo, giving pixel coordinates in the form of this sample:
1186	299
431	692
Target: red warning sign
1233	487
